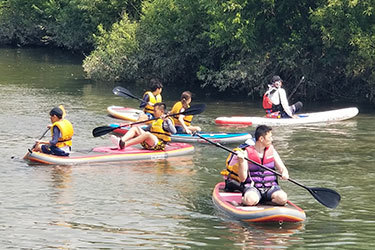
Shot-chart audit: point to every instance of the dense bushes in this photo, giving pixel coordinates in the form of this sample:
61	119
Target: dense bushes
229	45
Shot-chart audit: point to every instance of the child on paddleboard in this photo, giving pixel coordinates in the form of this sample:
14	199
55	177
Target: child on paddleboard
183	122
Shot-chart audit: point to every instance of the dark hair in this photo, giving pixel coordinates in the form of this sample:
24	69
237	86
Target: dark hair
57	112
184	97
162	105
155	84
276	78
261	130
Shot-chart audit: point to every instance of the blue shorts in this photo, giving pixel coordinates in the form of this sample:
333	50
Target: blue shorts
180	130
264	194
53	150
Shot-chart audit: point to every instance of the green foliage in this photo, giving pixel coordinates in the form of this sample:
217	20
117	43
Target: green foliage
19	22
66	23
220	45
114	58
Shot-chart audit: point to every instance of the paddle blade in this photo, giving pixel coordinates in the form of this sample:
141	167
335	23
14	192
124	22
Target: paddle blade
120	91
195	109
99	131
63	110
328	197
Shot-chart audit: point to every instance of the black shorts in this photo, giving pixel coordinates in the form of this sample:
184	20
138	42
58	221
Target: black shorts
264	194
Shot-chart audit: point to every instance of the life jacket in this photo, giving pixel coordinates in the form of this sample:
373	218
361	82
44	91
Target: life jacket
258	176
153	99
177	109
271	109
157	129
66	133
232	164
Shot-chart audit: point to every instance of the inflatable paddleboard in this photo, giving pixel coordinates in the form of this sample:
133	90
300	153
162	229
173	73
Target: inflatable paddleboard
230	204
307	118
128	114
111	154
213	136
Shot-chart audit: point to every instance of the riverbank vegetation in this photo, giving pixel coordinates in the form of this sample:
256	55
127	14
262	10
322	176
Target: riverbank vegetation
232	46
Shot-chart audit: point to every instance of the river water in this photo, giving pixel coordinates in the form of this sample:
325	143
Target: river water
165	203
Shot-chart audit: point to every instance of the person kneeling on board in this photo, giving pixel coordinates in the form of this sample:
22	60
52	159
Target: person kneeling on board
256	184
156	136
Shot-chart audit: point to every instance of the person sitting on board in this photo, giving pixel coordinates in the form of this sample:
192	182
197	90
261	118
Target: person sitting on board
62	132
255	183
156	136
183	122
150	98
275	101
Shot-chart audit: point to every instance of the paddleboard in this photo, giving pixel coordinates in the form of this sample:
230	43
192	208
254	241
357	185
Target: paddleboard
128	114
219	137
307	118
230	204
111	154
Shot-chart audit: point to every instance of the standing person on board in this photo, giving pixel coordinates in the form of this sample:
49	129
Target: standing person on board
150	98
256	183
275	101
156	136
183	122
62	132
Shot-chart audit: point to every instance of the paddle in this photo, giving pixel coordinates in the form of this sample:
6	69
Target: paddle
45	132
120	91
193	110
295	89
325	196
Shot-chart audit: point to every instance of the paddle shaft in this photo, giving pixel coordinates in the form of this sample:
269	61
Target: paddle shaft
196	109
295	89
256	163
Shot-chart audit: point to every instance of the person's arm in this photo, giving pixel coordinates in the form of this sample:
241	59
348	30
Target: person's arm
280	166
55	137
181	119
284	102
168	126
242	165
146	99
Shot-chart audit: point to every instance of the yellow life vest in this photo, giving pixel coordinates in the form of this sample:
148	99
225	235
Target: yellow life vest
157	129
177	109
66	133
153	99
232	166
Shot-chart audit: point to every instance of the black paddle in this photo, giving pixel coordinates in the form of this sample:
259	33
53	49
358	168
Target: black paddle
325	196
45	132
120	91
193	110
295	89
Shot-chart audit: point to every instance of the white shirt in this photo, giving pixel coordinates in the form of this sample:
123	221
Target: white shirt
280	96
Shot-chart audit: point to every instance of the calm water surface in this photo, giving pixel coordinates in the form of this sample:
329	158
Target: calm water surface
167	203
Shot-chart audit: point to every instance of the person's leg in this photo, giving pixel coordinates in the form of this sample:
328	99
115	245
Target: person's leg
133	132
251	196
58	151
147	137
45	149
296	107
180	129
277	195
194	129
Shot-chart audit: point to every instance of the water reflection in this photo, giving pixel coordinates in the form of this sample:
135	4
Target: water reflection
265	236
